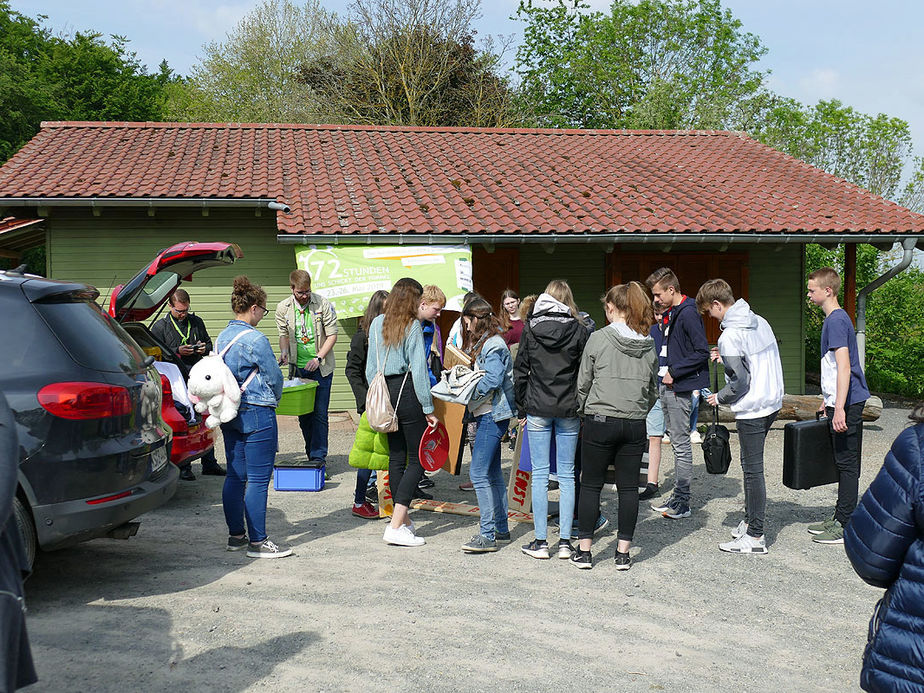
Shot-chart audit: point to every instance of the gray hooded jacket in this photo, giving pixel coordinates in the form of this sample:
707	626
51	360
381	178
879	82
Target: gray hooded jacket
619	373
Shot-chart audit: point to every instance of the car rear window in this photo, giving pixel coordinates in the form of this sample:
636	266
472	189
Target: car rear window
91	337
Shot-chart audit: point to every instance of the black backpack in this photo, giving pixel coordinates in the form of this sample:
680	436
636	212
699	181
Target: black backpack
716	446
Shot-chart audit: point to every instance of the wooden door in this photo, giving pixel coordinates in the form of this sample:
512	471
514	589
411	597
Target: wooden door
692	269
491	274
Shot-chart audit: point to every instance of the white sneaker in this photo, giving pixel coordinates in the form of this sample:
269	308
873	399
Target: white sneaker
695	437
745	544
740	530
402	536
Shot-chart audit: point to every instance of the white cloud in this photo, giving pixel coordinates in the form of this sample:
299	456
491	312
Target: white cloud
821	83
212	20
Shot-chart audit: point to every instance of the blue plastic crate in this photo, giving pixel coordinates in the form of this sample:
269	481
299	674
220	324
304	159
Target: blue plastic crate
308	476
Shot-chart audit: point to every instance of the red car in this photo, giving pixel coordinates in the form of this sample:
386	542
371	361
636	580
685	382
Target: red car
145	295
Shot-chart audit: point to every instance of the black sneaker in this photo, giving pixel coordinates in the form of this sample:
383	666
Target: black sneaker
502	537
372	494
426	482
237	543
553	485
537	548
651	490
186	473
623	561
565	549
421	494
213	470
582	559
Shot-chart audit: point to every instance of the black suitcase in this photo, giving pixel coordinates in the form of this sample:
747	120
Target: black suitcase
808	459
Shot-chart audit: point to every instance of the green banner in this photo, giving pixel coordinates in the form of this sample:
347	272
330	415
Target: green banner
348	275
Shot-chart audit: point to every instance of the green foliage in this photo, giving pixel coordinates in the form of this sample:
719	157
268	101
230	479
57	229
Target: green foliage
46	77
894	330
660	64
254	75
870	151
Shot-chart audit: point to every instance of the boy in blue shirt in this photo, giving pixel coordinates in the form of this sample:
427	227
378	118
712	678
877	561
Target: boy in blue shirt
845	392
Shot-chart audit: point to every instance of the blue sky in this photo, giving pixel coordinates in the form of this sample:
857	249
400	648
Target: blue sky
863	53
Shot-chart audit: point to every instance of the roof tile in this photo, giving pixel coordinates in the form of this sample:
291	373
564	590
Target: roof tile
366	179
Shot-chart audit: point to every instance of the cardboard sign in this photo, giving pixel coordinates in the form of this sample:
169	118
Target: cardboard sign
386	502
519	488
463	509
451	415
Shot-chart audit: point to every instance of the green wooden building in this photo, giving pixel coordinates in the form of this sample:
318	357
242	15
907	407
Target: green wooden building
592	207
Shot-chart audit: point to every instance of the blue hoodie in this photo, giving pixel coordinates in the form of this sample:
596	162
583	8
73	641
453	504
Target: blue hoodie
687	348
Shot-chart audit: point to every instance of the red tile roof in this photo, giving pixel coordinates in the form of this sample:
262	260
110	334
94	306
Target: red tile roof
363	179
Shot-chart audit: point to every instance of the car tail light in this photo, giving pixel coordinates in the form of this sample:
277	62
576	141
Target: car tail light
168	412
84	401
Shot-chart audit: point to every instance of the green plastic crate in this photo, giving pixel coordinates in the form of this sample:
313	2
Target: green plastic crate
297	400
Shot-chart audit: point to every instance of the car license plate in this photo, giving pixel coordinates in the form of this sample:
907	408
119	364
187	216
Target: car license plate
158	458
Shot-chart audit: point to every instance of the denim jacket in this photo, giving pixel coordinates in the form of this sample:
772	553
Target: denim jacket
252	350
494	359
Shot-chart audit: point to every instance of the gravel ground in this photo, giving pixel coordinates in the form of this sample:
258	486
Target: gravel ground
170	609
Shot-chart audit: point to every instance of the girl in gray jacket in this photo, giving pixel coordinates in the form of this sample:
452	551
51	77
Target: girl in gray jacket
617	385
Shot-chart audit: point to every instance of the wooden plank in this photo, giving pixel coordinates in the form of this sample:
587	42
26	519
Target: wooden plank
463	509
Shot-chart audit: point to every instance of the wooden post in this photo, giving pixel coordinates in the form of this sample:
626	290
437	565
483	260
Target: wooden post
850	280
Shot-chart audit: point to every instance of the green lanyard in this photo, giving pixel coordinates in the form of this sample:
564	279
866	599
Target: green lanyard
305	333
185	337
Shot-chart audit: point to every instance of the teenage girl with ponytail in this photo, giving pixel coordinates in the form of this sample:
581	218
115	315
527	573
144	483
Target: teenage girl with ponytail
617	385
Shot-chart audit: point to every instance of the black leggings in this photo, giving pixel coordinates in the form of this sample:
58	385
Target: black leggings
404	470
619	442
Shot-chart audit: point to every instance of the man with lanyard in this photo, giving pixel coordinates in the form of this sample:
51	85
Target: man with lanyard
185	334
307	325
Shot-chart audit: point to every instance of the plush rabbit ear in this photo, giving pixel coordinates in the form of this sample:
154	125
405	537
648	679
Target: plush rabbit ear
232	389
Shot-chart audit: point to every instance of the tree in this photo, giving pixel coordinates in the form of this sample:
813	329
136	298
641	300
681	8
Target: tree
653	64
46	77
874	152
253	76
411	62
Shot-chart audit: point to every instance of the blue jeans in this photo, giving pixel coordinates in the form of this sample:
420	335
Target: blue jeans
362	483
485	473
250	450
314	425
539	429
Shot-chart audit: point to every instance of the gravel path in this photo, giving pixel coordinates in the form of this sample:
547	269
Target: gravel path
171	610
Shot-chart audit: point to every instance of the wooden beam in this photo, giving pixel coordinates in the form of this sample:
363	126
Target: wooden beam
850	280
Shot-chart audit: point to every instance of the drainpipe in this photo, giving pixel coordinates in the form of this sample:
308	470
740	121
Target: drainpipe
908	246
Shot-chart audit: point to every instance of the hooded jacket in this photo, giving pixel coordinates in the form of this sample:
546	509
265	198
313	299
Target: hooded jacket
885	543
687	348
619	373
546	367
753	372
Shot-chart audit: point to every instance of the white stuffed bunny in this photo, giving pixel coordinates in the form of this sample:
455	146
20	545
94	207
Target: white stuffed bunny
212	386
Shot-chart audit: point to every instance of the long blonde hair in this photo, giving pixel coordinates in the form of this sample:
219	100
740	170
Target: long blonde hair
560	291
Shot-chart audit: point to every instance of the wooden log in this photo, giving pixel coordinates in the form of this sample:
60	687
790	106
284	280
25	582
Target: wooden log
795	408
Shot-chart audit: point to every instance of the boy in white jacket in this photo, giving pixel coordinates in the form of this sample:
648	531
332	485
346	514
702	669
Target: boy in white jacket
754	389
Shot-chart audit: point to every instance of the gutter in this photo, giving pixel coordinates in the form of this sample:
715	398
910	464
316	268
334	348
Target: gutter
149	202
640	238
908	246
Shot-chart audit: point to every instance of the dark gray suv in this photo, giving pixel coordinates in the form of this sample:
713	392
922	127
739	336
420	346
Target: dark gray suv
93	446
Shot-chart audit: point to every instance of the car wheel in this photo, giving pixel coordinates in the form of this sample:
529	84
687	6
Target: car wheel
26	529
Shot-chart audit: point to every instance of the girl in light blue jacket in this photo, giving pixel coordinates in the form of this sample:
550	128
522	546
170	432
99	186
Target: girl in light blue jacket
251	438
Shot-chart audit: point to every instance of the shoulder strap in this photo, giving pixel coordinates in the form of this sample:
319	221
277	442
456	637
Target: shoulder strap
224	351
221	355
